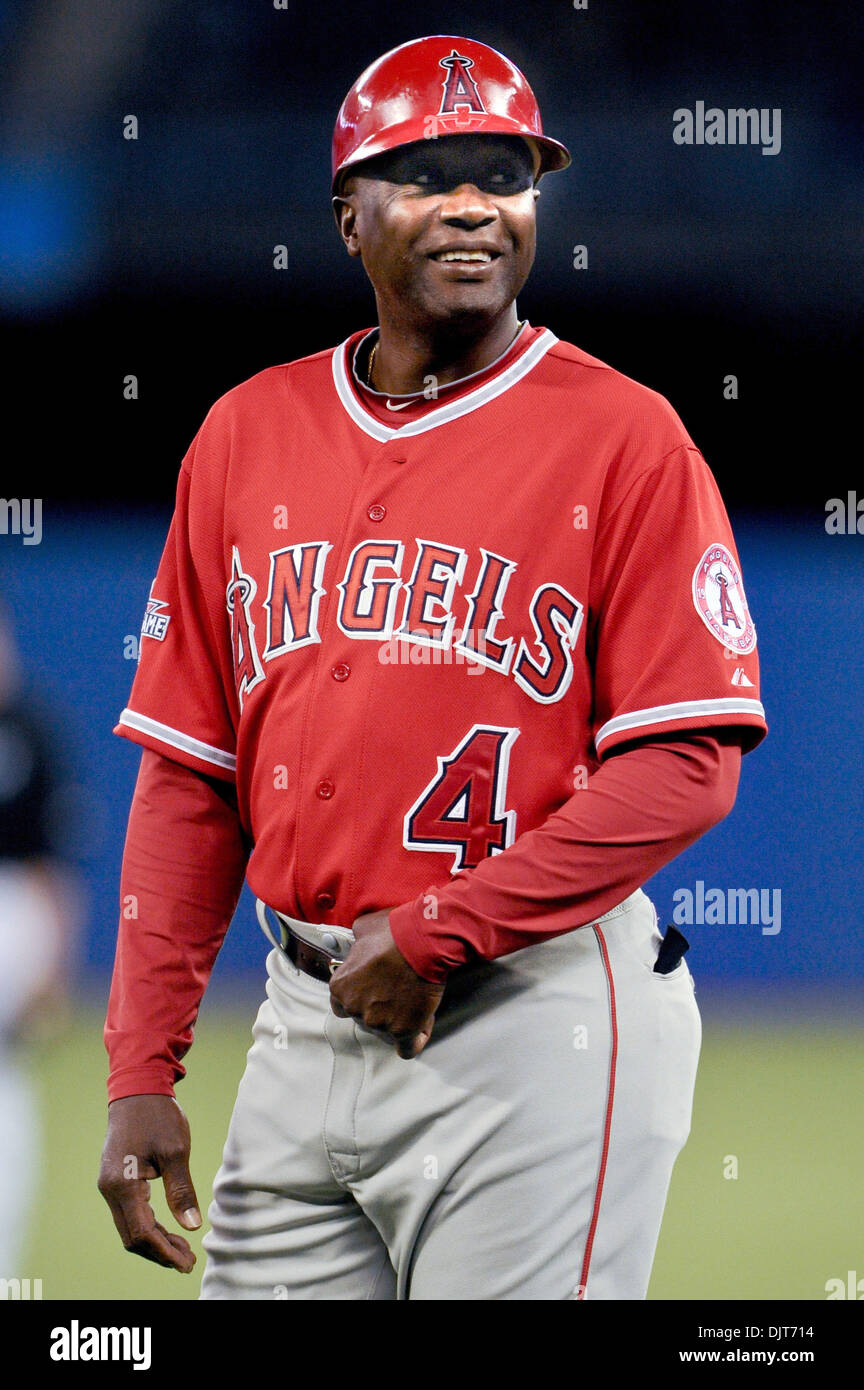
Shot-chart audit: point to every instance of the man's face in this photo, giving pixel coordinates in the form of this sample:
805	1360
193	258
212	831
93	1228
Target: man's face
446	227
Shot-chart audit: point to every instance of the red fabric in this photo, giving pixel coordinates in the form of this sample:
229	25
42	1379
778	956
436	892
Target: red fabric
184	863
314	633
182	875
401	645
641	809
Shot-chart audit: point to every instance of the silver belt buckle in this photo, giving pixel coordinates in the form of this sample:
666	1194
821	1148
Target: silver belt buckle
336	941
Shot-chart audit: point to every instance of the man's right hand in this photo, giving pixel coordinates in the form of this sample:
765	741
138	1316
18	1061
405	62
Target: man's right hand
148	1137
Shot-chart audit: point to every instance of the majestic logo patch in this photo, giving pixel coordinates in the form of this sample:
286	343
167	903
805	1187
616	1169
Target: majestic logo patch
461	100
718	594
155	622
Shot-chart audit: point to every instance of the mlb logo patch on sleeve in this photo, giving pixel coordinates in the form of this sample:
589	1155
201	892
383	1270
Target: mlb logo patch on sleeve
718	594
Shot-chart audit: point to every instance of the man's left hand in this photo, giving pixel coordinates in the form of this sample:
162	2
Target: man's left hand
376	986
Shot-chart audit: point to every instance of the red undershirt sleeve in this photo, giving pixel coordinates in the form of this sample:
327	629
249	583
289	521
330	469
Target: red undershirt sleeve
642	807
183	868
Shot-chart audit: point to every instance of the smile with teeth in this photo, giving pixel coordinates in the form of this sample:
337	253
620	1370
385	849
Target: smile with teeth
482	256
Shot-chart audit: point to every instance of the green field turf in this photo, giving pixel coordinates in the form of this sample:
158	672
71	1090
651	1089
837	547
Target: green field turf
785	1103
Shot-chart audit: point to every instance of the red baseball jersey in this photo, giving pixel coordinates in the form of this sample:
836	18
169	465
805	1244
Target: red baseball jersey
410	642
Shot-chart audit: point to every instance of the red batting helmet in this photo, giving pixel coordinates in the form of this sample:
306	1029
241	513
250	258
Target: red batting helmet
441	85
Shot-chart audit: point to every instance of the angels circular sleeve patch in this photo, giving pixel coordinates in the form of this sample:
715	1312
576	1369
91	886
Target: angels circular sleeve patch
718	594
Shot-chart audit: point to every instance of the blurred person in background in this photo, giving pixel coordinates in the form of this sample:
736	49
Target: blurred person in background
39	910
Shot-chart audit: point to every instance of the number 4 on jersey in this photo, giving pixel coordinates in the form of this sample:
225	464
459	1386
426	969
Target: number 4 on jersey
461	812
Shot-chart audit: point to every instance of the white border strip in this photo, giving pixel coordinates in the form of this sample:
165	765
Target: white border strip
175	739
687	709
445	413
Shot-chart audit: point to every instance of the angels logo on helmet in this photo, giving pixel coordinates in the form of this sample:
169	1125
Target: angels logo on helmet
460	97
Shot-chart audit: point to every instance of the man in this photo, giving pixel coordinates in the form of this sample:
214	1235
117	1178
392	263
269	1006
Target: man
442	634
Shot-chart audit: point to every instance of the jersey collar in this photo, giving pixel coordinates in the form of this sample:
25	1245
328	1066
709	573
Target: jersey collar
444	414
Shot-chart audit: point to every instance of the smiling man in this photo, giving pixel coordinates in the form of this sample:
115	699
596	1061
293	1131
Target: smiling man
445	286
452	654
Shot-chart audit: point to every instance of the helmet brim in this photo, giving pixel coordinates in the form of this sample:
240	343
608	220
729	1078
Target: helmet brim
553	156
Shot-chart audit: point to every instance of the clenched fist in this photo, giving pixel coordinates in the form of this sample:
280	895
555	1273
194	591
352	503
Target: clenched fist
376	986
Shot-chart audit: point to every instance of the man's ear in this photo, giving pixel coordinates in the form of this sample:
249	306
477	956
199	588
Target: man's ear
345	212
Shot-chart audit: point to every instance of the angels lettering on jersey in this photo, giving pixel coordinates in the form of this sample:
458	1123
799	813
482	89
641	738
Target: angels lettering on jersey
387	596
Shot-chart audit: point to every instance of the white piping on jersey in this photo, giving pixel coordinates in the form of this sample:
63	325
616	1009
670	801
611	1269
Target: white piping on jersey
175	739
686	709
444	413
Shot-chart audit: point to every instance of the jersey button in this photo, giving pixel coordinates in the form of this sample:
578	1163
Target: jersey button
341	671
325	789
376	512
325	901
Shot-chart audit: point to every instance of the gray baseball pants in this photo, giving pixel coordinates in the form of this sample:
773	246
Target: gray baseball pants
526	1154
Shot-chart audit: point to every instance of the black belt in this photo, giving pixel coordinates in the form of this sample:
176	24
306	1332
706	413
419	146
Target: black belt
312	960
321	964
319	961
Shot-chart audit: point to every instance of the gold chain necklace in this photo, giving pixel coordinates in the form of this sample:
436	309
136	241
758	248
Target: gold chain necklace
369	368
